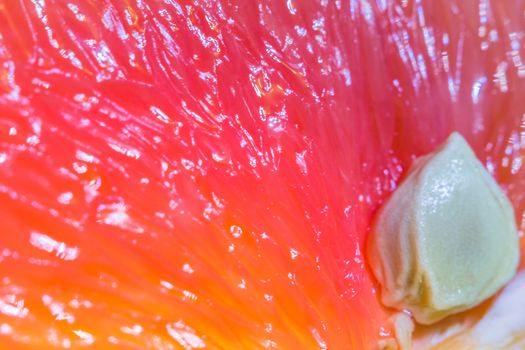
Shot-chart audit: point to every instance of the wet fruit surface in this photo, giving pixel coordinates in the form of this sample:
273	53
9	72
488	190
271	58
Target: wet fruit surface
189	174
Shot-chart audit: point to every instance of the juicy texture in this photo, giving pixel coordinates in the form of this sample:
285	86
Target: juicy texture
446	239
176	173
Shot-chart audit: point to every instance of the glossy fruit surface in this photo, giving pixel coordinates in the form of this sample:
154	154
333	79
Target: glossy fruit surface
189	174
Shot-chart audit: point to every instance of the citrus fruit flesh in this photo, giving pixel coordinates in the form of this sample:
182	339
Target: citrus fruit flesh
189	174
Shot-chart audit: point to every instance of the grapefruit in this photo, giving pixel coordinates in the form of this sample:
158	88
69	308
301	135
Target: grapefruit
202	173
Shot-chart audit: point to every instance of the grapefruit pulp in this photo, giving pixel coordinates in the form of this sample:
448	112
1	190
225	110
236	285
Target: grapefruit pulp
202	174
